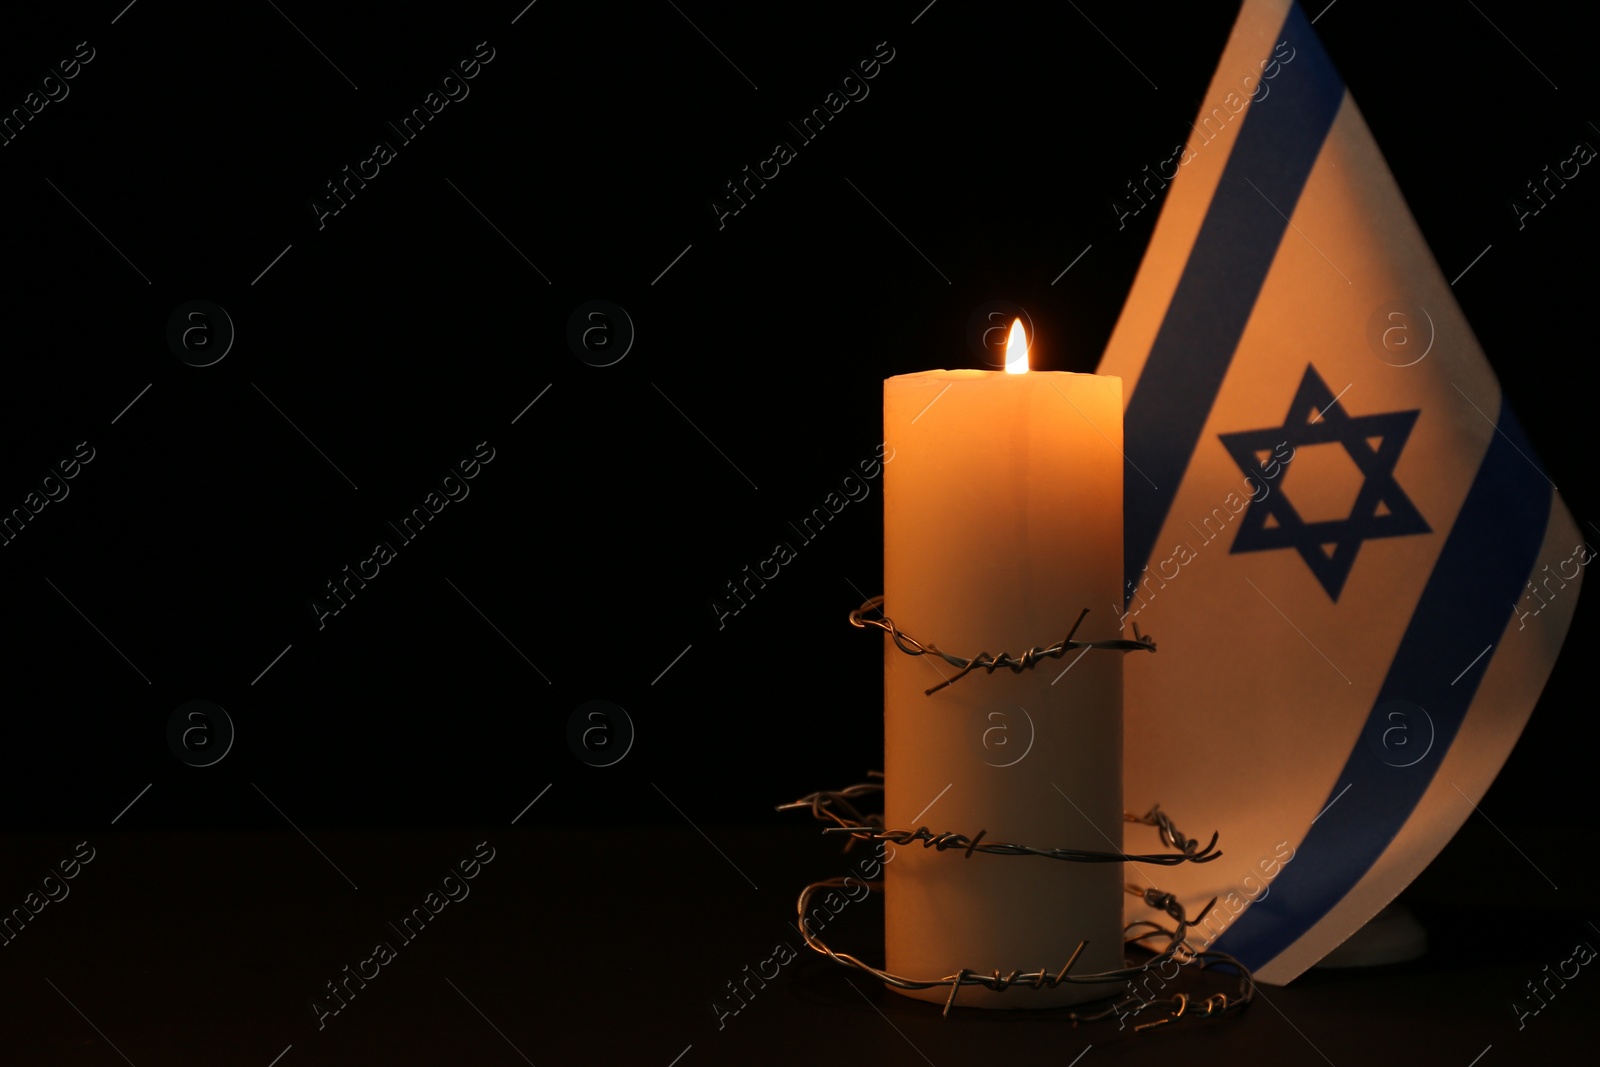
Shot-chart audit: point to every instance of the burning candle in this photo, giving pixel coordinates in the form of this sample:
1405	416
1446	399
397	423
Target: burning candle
1002	522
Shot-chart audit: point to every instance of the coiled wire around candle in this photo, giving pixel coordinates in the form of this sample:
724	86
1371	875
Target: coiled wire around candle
870	827
983	660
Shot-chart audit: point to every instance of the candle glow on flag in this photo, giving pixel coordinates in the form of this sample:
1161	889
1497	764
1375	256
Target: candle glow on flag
1374	520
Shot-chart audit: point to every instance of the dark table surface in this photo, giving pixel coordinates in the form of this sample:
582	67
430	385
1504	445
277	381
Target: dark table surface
609	946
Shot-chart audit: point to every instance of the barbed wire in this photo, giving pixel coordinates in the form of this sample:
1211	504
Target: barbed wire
949	840
983	660
870	827
1130	1004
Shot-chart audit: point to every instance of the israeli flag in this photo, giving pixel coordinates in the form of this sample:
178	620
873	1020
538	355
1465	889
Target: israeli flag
1358	574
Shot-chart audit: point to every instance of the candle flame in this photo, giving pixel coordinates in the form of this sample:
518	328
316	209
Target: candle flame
1017	349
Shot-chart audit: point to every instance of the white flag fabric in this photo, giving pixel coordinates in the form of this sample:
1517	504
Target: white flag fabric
1357	573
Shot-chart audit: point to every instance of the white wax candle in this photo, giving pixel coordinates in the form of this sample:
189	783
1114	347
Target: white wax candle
1002	521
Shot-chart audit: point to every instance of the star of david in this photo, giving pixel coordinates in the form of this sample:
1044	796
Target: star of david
1381	508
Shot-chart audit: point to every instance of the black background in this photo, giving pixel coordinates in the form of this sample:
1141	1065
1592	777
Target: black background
414	324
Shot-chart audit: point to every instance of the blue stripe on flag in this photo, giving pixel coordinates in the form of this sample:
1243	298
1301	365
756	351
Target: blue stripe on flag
1464	608
1277	146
